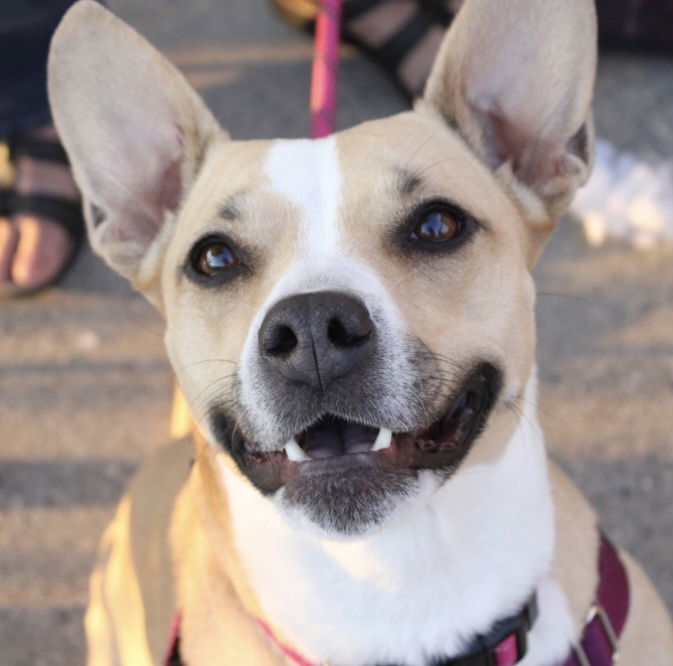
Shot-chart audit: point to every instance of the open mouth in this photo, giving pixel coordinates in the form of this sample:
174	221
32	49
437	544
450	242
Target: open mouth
334	441
347	477
337	447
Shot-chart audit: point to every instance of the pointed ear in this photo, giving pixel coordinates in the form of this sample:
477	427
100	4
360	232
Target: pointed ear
515	78
135	131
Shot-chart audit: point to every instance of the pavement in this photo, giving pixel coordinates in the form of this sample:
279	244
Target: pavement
85	386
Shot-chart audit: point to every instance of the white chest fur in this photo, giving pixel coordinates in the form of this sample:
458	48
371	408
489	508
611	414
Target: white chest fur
417	588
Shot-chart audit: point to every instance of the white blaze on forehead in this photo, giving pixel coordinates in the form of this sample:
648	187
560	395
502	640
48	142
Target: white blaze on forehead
307	172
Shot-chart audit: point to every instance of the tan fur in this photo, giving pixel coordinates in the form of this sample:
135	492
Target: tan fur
171	545
132	596
648	635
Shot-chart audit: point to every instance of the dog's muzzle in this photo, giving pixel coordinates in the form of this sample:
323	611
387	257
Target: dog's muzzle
347	468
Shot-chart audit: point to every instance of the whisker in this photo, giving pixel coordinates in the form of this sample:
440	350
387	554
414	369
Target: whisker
143	327
245	305
203	398
418	149
432	166
406	275
206	360
574	297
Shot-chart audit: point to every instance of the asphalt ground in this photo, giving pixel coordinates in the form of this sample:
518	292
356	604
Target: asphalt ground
85	386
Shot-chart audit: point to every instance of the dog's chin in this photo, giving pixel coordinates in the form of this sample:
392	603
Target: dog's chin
354	505
348	478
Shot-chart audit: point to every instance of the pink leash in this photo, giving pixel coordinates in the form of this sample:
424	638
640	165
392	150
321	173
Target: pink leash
325	68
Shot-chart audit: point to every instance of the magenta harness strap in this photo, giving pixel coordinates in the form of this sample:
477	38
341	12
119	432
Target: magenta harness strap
605	621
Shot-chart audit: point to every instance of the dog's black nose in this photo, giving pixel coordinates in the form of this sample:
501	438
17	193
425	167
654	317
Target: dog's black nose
317	337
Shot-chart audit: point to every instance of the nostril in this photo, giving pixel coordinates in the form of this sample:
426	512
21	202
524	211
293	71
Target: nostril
341	337
280	341
315	338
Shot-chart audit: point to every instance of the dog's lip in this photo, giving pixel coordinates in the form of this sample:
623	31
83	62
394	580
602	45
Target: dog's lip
333	442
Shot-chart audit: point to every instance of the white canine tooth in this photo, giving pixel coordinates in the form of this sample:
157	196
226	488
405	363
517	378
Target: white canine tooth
294	452
383	439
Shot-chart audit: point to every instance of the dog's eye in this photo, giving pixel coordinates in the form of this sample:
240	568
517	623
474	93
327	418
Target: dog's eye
437	227
214	258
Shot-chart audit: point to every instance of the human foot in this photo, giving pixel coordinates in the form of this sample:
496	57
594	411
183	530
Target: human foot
8	235
39	239
402	36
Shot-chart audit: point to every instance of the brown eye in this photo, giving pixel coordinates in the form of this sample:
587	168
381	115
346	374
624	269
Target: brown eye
215	258
437	227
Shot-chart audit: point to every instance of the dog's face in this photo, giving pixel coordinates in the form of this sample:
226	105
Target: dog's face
348	316
334	292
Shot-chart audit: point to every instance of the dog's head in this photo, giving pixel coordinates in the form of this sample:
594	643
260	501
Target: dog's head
346	316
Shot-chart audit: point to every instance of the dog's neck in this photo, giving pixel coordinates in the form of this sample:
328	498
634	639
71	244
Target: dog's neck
421	586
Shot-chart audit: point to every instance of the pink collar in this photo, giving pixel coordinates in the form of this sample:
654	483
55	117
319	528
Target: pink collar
286	650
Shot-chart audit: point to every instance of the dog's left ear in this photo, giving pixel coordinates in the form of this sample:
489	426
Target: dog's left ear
515	78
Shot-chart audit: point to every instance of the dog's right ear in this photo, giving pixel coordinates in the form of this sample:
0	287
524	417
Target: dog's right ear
135	131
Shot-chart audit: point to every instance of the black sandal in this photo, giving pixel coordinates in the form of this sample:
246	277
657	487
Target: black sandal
5	193
390	54
65	212
644	27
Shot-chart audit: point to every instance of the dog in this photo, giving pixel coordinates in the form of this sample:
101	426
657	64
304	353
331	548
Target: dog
351	322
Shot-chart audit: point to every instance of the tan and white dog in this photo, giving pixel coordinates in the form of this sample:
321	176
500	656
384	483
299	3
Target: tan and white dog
351	321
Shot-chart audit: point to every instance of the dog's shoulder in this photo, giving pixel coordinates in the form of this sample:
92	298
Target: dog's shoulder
576	568
132	591
575	564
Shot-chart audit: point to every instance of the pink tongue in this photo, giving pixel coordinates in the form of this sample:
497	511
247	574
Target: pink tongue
333	437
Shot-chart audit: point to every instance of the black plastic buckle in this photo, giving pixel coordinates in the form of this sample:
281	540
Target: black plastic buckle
482	650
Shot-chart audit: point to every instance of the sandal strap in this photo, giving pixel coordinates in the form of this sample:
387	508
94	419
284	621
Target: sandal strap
4	200
46	150
438	10
431	13
68	214
396	48
302	11
353	8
